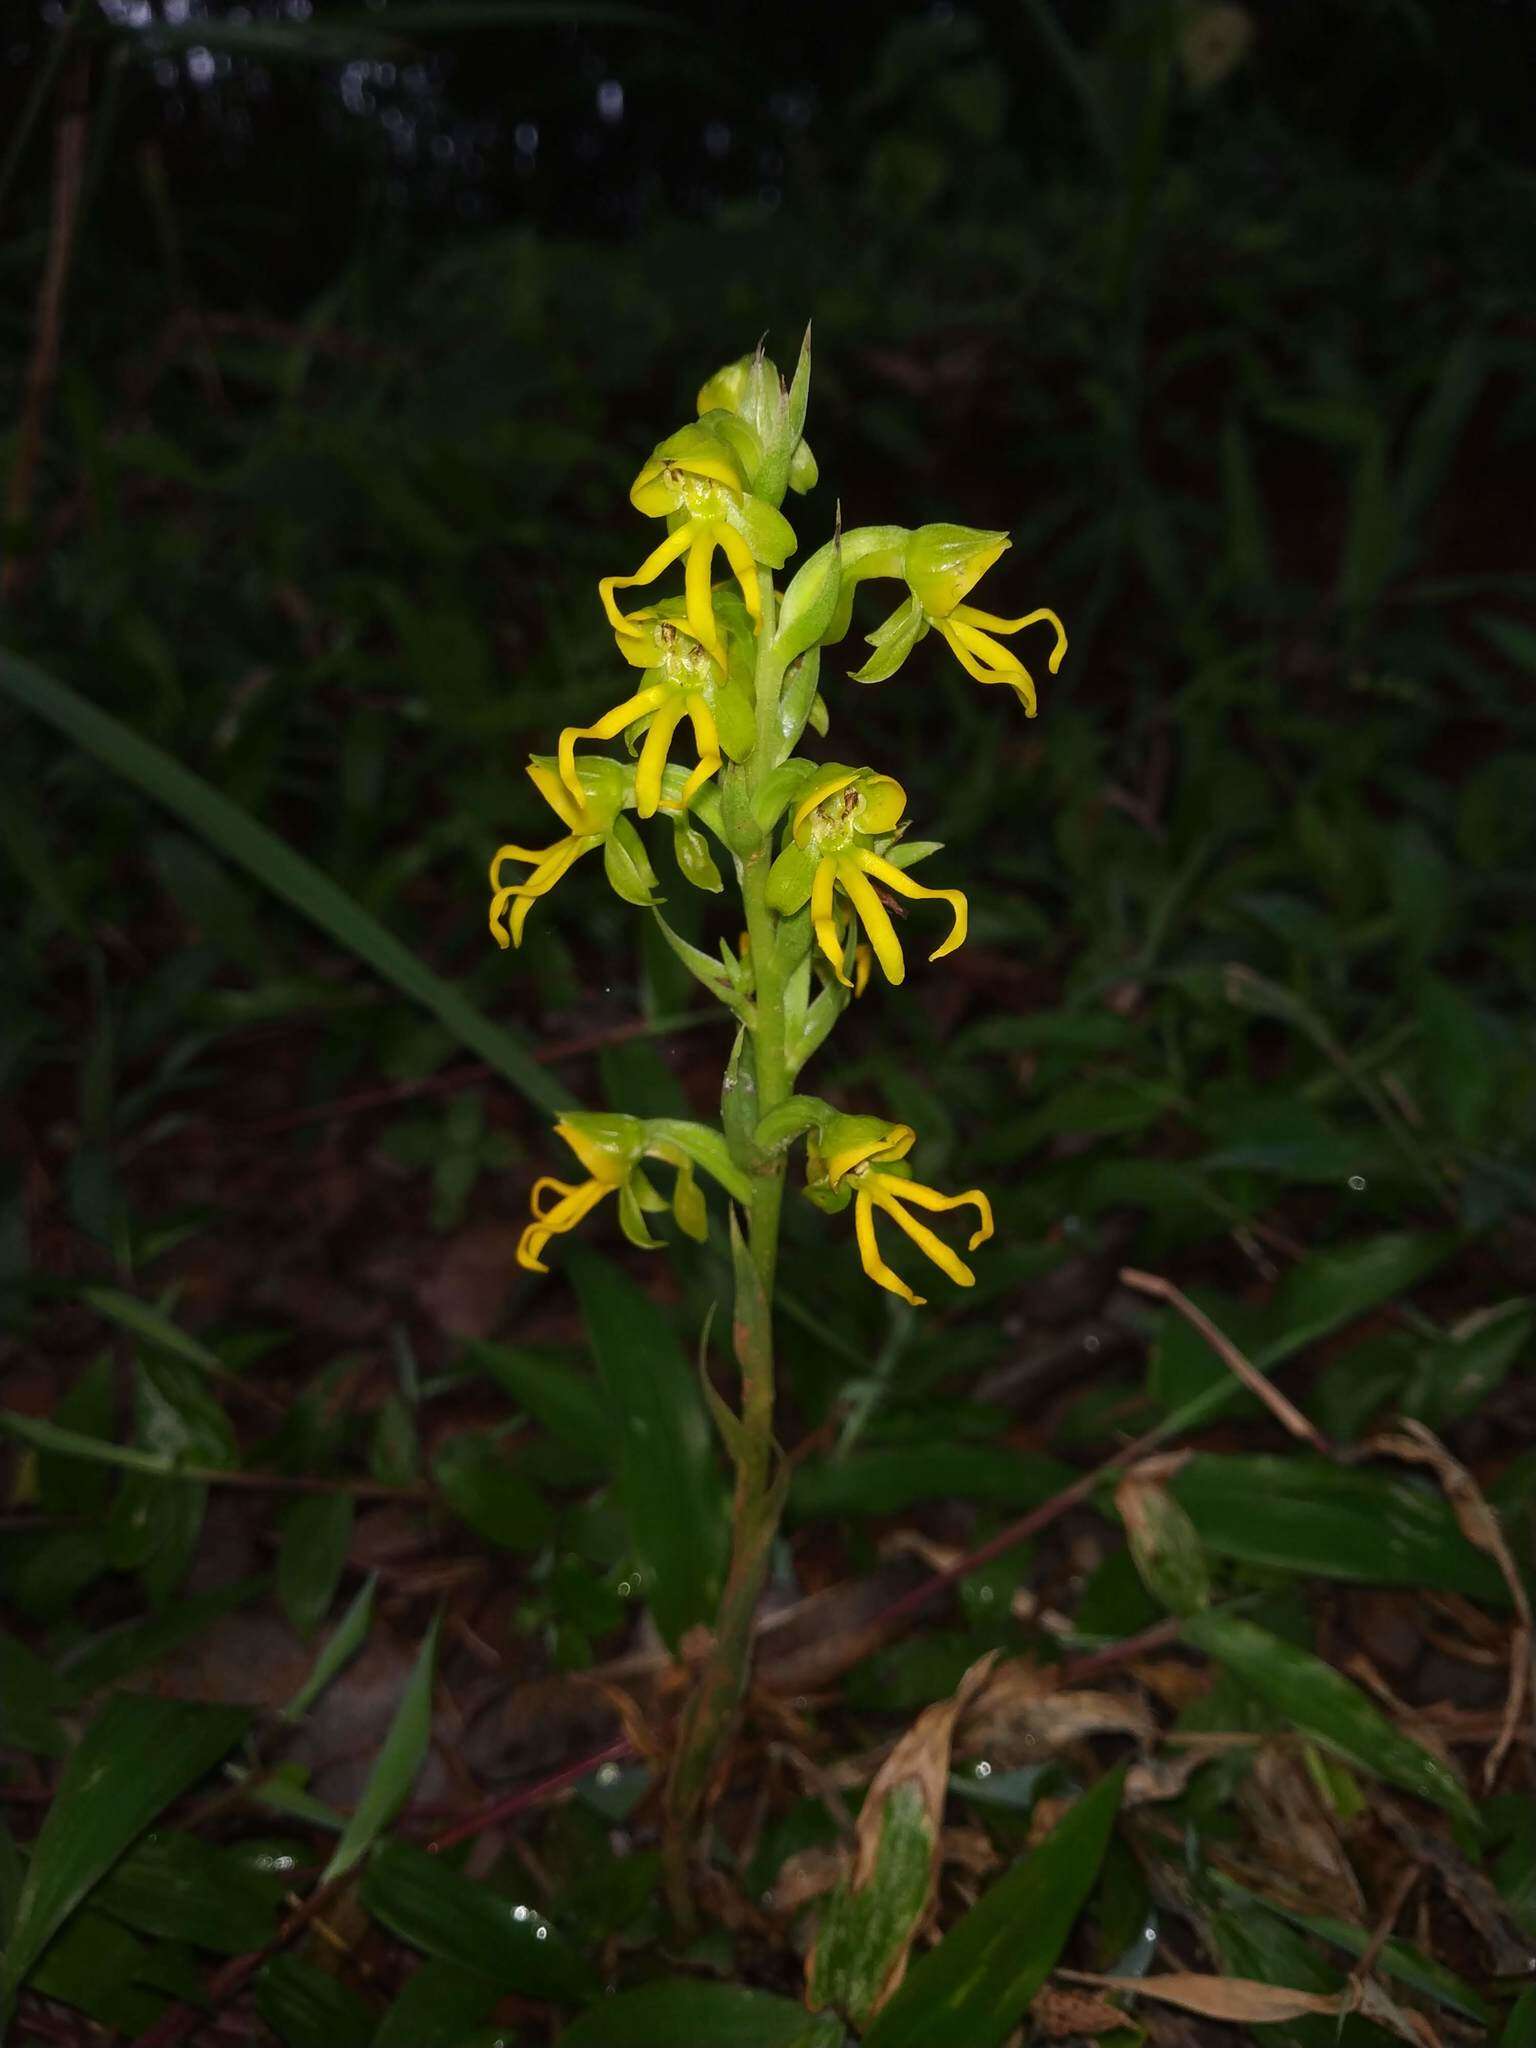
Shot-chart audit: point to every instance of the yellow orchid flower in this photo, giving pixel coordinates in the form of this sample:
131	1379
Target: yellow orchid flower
941	565
865	1157
698	480
686	682
592	818
844	820
611	1148
609	1158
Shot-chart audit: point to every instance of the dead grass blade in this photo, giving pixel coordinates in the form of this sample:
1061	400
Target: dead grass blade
1284	1411
1417	1444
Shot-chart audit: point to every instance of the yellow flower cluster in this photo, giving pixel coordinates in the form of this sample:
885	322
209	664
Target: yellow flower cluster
739	672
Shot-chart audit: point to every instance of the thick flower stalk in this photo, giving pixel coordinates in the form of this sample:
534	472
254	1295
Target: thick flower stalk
821	855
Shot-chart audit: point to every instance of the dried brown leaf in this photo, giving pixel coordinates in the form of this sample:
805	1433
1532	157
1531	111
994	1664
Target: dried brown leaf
1416	1444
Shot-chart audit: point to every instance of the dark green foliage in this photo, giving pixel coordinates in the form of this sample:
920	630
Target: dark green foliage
308	566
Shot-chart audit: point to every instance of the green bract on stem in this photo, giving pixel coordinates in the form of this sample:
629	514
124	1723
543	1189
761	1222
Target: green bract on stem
817	849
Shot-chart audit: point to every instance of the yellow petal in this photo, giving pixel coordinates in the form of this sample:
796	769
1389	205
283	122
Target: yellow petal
608	727
553	864
878	928
561	1189
895	1141
823	922
888	1193
898	879
968	615
826	782
658	559
653	757
707	739
869	1252
922	1197
546	781
863	961
739	555
698	584
530	1247
969	645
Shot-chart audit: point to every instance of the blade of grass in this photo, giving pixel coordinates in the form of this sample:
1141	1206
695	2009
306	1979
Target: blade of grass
278	868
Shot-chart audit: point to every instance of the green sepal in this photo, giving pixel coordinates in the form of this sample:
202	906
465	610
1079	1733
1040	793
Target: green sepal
809	602
791	1120
797	699
818	718
831	1201
688	1211
705	1146
691	849
723	984
627	865
906	853
892	641
735	721
767	533
803	468
778	790
789	880
631	1221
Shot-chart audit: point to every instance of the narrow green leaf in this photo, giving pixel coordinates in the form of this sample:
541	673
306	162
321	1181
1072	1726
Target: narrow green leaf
882	1482
569	1407
1324	1704
181	1888
975	1987
143	1319
669	1485
865	1933
317	1532
438	2007
137	1756
30	1697
424	1901
278	868
340	1647
1332	1288
497	1502
683	2009
133	1644
308	2008
72	1443
395	1767
1301	1514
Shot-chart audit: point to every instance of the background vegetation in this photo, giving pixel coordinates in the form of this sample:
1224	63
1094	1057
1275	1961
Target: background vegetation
329	344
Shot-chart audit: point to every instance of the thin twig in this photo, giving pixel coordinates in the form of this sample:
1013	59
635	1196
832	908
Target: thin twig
473	1073
513	1803
1284	1411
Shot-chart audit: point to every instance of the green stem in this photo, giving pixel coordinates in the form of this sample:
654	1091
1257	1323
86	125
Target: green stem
710	1717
